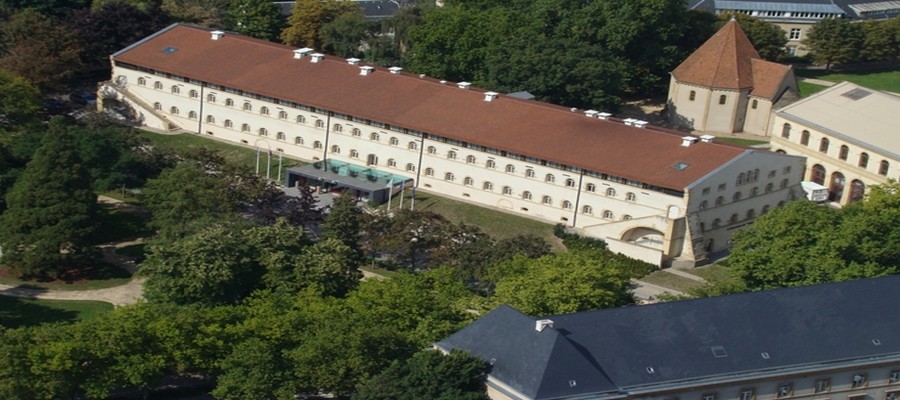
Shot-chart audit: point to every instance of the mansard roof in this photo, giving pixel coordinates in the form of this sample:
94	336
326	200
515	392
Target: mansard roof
607	353
529	128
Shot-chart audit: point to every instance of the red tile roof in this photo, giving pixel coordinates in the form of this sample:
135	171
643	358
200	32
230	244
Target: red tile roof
525	127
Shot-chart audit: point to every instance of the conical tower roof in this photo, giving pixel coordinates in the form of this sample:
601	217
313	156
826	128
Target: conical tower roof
724	61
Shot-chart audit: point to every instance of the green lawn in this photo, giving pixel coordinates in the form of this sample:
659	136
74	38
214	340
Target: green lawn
807	88
100	275
742	142
712	272
16	312
241	155
671	281
498	224
882	80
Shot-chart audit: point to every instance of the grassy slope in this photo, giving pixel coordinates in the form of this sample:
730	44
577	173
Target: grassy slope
16	312
884	80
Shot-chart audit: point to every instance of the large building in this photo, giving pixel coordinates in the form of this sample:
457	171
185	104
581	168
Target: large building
651	193
836	341
849	134
725	87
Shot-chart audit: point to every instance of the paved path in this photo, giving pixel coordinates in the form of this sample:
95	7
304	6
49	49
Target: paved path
684	274
648	291
817	82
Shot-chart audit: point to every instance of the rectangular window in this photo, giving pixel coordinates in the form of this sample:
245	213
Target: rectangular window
894	377
859	380
721	188
785	390
823	385
747	394
705	190
795	34
895	395
709	396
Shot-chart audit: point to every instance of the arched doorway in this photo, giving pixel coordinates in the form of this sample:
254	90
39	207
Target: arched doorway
818	174
857	190
779	151
648	237
836	189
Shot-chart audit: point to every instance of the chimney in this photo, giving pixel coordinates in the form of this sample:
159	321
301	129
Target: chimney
542	324
707	138
463	85
629	121
395	70
366	70
640	124
443	82
299	53
216	35
686	141
316	57
353	61
591	113
490	96
604	115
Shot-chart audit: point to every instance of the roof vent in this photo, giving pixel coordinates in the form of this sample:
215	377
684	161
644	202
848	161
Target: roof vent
591	113
216	35
635	122
707	138
299	53
688	140
876	342
353	61
395	70
442	82
640	124
541	324
366	70
490	96
604	115
765	355
463	85
316	57
572	383
719	351
650	370
421	75
573	109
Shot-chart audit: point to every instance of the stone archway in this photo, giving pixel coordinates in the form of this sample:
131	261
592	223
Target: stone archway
857	190
818	174
644	236
836	188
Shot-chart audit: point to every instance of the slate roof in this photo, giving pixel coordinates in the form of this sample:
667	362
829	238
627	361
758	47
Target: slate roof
849	8
728	60
525	127
699	341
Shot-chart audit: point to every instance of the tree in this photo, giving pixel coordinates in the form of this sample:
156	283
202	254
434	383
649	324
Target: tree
51	210
347	35
185	197
428	375
255	369
563	283
257	18
308	17
882	41
110	27
39	49
768	39
20	101
208	13
343	225
835	40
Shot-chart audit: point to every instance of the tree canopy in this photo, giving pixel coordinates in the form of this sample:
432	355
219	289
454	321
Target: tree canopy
768	39
835	40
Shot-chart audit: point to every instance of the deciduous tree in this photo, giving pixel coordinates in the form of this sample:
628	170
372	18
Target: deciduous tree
428	374
768	39
20	101
257	18
835	40
308	17
39	48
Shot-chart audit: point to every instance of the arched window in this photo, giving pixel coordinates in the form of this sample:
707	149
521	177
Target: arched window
510	169
823	145
263	132
804	138
229	124
845	151
608	214
717	223
734	219
765	209
411	167
468	181
298	140
210	98
392	163
245	127
550	178
591	187
142	81
704	204
786	131
335	149
301	119
248	106
526	195
192	115
413	146
626	217
587	210
754	191
864	160
451	155
884	168
229	102
741	177
737	196
173	110
817	174
567	205
175	89
317	145
751	213
611	192
354	153
282	114
784	183
507	190
488	186
432	150
720	200
470	159
320	123
374	137
529	173
754	104
193	94
857	190
157	106
338	128
692	95
429	171
769	187
630	196
547	200
371	159
264	110
394	141
158	85
723	99
570	183
210	119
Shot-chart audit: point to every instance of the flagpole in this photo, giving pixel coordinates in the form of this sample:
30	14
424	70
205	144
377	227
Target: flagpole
257	159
